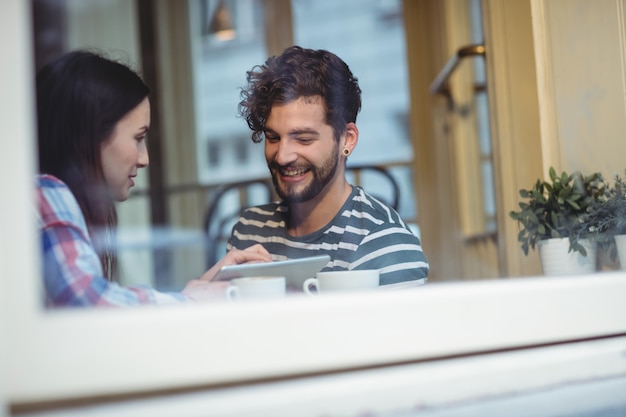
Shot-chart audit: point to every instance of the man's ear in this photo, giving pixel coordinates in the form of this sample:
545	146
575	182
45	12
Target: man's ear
349	139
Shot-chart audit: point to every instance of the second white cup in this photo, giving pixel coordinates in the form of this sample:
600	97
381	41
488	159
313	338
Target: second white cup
342	281
255	287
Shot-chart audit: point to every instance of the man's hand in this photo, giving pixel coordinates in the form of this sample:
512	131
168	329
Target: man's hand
253	254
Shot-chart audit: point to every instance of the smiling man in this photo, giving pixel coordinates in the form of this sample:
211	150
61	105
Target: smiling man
304	103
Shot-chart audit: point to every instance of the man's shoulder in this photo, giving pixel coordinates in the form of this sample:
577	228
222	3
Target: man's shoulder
375	215
366	202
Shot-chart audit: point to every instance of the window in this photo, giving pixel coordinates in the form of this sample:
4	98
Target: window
368	35
96	354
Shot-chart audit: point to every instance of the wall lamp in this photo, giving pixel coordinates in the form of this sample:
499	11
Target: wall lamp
221	25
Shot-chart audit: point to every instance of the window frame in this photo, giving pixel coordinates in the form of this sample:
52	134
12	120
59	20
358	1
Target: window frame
68	355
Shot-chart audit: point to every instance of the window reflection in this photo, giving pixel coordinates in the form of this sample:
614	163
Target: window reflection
221	149
24	371
205	144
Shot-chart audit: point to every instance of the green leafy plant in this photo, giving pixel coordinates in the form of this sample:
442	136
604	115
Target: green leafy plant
606	216
556	208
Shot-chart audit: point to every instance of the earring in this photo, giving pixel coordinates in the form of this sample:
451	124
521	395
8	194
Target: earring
346	151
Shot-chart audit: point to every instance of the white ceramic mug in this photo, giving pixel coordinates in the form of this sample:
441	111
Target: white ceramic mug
255	287
342	281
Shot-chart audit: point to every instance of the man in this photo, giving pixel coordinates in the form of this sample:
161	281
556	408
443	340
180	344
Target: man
305	103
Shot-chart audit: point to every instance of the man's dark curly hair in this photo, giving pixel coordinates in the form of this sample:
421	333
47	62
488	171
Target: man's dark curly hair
296	73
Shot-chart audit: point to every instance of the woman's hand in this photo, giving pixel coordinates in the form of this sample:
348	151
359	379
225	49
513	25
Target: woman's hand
253	254
201	291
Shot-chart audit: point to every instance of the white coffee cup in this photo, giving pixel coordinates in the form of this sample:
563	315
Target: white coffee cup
342	281
255	287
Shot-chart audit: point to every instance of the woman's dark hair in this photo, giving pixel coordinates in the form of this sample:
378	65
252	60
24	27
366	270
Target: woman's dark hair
80	98
296	73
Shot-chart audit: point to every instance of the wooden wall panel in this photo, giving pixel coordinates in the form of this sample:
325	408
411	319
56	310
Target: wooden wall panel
583	71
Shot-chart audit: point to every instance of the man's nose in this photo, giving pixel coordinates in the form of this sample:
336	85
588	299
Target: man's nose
285	153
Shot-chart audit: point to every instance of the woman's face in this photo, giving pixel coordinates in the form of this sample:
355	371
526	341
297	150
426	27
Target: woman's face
124	152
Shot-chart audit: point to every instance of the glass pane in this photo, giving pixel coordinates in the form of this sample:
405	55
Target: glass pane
369	37
223	140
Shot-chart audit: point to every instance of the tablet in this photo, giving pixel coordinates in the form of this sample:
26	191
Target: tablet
295	271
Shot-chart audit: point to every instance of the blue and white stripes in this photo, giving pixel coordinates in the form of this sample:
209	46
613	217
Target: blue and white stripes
365	234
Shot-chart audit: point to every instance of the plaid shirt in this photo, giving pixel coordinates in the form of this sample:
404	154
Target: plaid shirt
72	271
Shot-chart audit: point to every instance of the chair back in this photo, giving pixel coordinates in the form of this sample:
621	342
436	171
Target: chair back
376	181
225	205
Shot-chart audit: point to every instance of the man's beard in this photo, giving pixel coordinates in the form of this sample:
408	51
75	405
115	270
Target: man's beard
321	178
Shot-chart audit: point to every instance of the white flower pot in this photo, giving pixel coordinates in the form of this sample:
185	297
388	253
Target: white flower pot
620	244
556	260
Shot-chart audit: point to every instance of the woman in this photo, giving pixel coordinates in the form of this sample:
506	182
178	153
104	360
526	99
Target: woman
93	117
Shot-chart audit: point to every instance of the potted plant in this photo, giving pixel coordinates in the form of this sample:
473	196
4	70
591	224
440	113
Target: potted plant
551	219
606	220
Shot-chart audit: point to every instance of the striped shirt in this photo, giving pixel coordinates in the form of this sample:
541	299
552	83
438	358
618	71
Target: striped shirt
365	234
72	271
